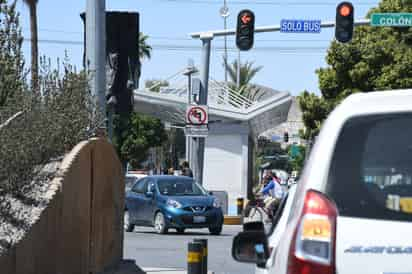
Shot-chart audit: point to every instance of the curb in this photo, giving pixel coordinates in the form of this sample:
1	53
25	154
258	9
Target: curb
232	220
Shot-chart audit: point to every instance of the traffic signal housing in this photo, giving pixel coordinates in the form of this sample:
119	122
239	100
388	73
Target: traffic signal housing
344	22
286	137
245	30
122	39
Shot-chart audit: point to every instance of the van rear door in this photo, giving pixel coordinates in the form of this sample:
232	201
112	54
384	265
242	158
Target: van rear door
370	180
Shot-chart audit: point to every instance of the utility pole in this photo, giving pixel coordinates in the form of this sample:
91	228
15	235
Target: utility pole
238	70
96	52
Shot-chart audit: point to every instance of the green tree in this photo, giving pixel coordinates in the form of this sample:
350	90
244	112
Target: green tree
32	4
136	135
296	157
145	52
247	73
11	57
378	58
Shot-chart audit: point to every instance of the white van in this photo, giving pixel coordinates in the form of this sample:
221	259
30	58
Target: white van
352	210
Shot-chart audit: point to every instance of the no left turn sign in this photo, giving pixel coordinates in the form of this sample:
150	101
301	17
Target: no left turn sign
197	115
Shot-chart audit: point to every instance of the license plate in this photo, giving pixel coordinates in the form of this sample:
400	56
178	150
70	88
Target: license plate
199	219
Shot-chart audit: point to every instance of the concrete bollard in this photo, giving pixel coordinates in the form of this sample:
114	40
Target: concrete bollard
203	242
194	258
240	202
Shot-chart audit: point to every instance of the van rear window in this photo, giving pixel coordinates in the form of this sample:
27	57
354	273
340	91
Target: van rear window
371	170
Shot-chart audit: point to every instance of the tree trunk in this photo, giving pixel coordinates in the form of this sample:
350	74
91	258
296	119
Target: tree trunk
34	49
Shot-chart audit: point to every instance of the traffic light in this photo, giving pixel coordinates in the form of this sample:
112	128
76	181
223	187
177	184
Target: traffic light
122	60
122	34
344	22
286	137
245	30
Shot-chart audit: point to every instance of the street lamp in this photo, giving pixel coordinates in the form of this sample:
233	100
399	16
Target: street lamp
189	71
224	12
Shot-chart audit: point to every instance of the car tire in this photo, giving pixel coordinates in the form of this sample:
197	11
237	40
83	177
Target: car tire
160	223
215	230
128	227
180	230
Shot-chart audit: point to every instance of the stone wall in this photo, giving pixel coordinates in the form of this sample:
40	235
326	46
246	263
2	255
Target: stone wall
81	229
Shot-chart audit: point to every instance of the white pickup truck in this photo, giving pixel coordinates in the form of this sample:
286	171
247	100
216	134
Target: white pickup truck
352	209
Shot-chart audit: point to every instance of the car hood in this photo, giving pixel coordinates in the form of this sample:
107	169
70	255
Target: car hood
193	200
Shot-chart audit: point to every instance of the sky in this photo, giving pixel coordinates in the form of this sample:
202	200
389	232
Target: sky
289	61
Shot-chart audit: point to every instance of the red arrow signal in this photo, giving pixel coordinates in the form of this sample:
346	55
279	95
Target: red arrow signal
246	18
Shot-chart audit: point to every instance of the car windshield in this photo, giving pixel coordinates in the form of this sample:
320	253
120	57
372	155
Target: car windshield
180	188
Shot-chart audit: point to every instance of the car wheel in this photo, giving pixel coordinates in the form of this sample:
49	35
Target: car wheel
128	227
160	223
180	230
215	230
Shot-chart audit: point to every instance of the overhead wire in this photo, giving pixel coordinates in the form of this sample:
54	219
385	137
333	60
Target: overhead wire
175	47
180	38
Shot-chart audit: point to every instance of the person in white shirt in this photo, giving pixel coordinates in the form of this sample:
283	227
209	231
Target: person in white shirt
273	193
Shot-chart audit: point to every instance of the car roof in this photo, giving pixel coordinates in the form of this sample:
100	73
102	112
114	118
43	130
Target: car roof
136	175
170	177
377	101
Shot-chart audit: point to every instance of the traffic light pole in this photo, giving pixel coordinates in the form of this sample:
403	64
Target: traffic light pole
96	54
198	144
274	28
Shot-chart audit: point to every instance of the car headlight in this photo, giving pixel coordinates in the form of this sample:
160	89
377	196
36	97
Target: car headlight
174	204
216	203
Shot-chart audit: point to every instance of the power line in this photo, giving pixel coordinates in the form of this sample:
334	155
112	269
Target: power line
180	38
174	47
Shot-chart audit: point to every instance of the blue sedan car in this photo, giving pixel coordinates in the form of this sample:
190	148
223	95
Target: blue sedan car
177	202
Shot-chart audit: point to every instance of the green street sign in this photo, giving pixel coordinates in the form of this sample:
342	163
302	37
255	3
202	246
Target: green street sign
391	20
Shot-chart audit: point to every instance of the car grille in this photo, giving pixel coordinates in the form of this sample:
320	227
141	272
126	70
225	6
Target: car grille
196	209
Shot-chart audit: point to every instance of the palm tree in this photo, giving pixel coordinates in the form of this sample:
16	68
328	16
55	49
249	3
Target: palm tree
247	72
32	4
145	51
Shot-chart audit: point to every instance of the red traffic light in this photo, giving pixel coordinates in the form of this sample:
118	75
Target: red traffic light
345	10
245	30
246	18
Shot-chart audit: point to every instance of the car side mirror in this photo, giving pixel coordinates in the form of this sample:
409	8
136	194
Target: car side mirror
211	193
251	247
149	194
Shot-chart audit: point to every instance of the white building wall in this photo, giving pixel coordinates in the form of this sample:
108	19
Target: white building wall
226	164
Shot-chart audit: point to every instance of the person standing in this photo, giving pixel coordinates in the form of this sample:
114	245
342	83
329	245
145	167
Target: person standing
171	171
186	171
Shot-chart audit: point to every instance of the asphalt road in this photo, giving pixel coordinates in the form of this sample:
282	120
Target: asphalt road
151	250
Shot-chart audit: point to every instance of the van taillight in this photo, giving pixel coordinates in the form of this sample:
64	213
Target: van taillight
313	245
